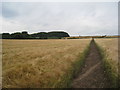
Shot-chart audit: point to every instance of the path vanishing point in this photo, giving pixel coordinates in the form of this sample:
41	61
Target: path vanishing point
92	74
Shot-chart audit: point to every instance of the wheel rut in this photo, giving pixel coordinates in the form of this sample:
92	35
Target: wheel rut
92	74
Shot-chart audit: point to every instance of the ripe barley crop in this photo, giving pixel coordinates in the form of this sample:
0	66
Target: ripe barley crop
111	48
110	58
39	63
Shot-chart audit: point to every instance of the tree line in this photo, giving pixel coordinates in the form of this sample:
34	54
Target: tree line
40	35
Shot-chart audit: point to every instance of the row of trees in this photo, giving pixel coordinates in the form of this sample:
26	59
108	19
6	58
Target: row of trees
40	35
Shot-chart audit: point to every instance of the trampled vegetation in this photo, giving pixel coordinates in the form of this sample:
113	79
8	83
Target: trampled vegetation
53	63
109	51
41	63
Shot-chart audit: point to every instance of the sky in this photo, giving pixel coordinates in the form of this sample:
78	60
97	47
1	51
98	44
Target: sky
76	18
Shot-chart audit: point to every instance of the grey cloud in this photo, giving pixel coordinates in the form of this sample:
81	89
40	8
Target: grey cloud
75	18
7	12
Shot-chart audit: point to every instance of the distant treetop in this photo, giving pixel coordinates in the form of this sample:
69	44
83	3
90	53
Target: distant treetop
40	35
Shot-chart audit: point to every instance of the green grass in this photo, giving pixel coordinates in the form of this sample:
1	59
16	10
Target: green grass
72	72
108	67
41	63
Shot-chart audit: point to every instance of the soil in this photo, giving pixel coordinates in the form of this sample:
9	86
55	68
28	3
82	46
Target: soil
92	74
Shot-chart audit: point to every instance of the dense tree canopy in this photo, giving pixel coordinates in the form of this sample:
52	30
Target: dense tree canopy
40	35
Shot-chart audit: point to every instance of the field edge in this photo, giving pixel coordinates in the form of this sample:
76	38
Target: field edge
73	72
114	79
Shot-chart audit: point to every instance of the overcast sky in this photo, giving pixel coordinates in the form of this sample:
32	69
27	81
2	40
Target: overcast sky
76	18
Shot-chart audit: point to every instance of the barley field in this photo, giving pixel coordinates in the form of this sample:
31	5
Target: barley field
110	46
39	63
0	64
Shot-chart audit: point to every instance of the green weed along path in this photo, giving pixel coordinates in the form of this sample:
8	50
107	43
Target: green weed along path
92	74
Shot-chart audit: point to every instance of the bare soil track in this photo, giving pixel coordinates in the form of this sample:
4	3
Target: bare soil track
92	74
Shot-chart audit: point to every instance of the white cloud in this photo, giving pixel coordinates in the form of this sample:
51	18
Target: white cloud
75	18
60	0
11	26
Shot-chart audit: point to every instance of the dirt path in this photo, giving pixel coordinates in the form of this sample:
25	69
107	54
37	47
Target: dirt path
92	74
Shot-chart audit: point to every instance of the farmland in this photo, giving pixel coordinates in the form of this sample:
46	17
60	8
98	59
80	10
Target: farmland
0	64
110	56
101	65
52	63
40	63
111	48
